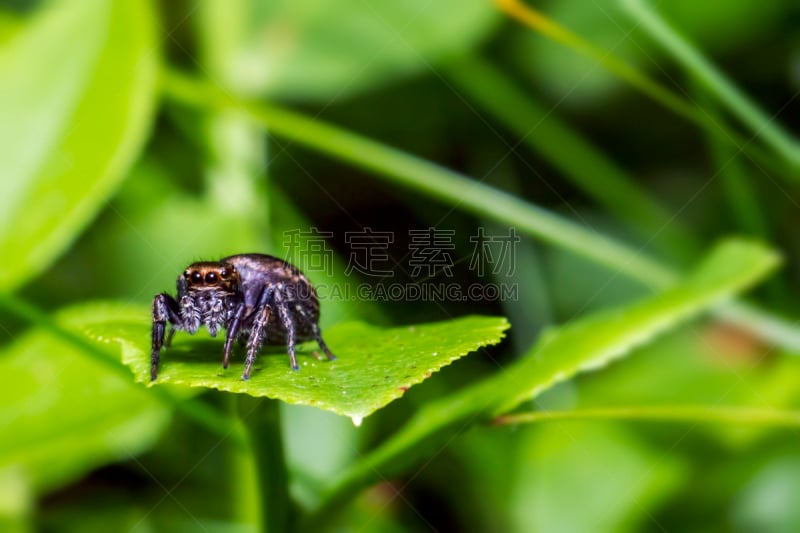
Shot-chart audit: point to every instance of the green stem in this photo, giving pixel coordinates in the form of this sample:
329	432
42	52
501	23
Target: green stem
244	492
263	420
461	192
194	409
235	165
687	414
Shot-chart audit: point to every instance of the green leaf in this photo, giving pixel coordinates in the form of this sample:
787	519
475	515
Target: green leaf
374	366
64	414
77	93
584	345
592	343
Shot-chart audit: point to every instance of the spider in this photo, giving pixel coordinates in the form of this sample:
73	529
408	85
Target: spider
257	298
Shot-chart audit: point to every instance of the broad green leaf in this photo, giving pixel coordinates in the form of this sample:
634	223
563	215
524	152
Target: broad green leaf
329	49
586	344
64	414
77	92
374	365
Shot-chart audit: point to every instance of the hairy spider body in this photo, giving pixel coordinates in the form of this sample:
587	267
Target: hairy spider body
256	298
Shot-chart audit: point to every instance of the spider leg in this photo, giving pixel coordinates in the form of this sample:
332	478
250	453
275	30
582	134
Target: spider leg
233	332
317	332
324	347
165	308
262	314
170	335
288	324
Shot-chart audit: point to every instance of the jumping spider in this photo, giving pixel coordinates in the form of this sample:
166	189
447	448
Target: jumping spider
257	298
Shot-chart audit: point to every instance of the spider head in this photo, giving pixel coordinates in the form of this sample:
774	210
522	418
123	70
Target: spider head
206	291
210	277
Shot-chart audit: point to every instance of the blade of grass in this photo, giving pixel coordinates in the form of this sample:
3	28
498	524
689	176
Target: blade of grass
467	194
762	125
681	414
585	166
192	408
242	483
537	21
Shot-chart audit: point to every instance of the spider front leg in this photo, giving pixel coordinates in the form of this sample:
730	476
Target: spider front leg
165	308
233	332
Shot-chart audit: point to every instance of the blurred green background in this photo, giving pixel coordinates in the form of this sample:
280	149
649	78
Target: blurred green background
127	151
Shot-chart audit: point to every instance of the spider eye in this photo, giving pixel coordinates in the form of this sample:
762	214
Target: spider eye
197	277
211	278
224	273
